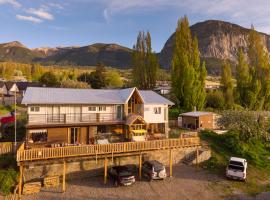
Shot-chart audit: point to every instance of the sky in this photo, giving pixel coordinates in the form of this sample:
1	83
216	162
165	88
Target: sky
51	23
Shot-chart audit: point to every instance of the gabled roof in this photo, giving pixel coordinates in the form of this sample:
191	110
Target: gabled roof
9	84
196	114
43	95
24	85
2	84
132	118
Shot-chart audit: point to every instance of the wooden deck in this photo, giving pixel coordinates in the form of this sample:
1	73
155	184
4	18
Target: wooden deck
103	149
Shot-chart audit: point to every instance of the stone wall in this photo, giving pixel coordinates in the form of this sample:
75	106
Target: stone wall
78	168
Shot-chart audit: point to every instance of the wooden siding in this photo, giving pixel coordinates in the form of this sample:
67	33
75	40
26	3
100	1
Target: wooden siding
104	149
58	135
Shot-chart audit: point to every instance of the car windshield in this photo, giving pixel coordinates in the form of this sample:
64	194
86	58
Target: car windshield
124	171
234	165
158	166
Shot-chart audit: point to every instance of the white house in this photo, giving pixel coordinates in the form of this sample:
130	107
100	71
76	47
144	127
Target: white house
79	115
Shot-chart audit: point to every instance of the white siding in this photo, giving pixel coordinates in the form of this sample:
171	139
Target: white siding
151	117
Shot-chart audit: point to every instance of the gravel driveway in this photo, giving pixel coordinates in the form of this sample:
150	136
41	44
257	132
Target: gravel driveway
188	183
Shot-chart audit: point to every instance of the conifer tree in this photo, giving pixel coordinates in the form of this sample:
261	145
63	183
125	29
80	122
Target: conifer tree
188	75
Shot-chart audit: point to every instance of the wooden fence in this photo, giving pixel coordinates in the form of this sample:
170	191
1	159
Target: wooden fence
103	149
7	148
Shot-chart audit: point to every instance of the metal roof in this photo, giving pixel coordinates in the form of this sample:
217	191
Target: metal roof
44	95
196	114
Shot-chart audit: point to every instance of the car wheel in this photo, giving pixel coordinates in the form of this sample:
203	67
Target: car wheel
116	183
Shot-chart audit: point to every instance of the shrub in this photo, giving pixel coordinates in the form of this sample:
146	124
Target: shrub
174	113
8	179
215	99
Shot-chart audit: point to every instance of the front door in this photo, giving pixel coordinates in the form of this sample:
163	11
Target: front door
74	135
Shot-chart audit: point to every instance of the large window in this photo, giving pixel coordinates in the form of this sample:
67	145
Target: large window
102	108
38	136
34	109
157	110
92	108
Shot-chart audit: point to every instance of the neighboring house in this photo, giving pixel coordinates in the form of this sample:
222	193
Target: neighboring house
72	116
163	89
197	120
23	85
11	88
3	89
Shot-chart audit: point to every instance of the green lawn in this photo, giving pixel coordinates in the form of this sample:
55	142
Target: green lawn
258	171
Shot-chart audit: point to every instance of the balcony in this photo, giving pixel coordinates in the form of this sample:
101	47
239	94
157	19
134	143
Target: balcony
76	118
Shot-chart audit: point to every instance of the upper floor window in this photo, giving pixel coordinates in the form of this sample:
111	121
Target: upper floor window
92	108
157	110
34	109
102	108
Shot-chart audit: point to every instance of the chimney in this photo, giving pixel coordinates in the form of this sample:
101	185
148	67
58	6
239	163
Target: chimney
195	109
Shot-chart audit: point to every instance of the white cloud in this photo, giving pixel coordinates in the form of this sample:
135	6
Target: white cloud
14	3
55	5
41	13
243	12
28	18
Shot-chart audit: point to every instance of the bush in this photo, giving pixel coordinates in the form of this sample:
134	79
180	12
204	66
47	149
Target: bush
173	113
7	161
8	179
215	99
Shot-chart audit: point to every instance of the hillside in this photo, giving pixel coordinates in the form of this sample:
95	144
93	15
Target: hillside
109	54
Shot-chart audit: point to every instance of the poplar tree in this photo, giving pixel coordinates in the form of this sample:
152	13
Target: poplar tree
145	63
187	73
259	93
243	79
227	85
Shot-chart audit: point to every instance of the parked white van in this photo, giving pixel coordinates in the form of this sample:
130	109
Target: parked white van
237	168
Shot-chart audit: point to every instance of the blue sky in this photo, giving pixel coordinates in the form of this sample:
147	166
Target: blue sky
38	23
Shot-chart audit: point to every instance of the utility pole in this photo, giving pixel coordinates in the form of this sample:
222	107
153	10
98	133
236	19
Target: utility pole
15	119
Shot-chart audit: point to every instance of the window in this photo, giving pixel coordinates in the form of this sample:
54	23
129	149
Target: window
157	110
34	109
38	136
92	108
102	108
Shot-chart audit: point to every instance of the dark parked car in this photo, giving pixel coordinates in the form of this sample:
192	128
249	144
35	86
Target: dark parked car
153	170
123	175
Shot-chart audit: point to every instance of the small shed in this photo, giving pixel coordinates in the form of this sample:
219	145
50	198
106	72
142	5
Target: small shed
197	120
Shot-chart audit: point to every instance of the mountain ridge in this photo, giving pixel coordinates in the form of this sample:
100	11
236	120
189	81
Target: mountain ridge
218	40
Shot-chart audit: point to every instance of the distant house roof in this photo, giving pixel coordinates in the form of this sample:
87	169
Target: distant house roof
24	85
2	84
41	95
196	114
9	84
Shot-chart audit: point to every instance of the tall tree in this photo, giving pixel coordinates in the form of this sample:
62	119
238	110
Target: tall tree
187	74
49	79
97	78
259	93
227	85
145	63
243	78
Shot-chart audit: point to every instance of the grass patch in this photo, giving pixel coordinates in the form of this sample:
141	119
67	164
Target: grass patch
255	151
8	174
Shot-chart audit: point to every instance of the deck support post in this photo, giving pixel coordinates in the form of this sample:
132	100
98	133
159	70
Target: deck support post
171	169
20	180
105	169
140	166
64	177
197	156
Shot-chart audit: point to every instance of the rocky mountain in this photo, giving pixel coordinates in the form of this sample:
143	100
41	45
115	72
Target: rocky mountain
218	40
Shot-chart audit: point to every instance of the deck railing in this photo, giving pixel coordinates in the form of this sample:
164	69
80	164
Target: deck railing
73	118
8	147
104	149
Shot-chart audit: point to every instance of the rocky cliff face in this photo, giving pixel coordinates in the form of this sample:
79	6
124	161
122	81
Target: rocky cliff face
217	39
